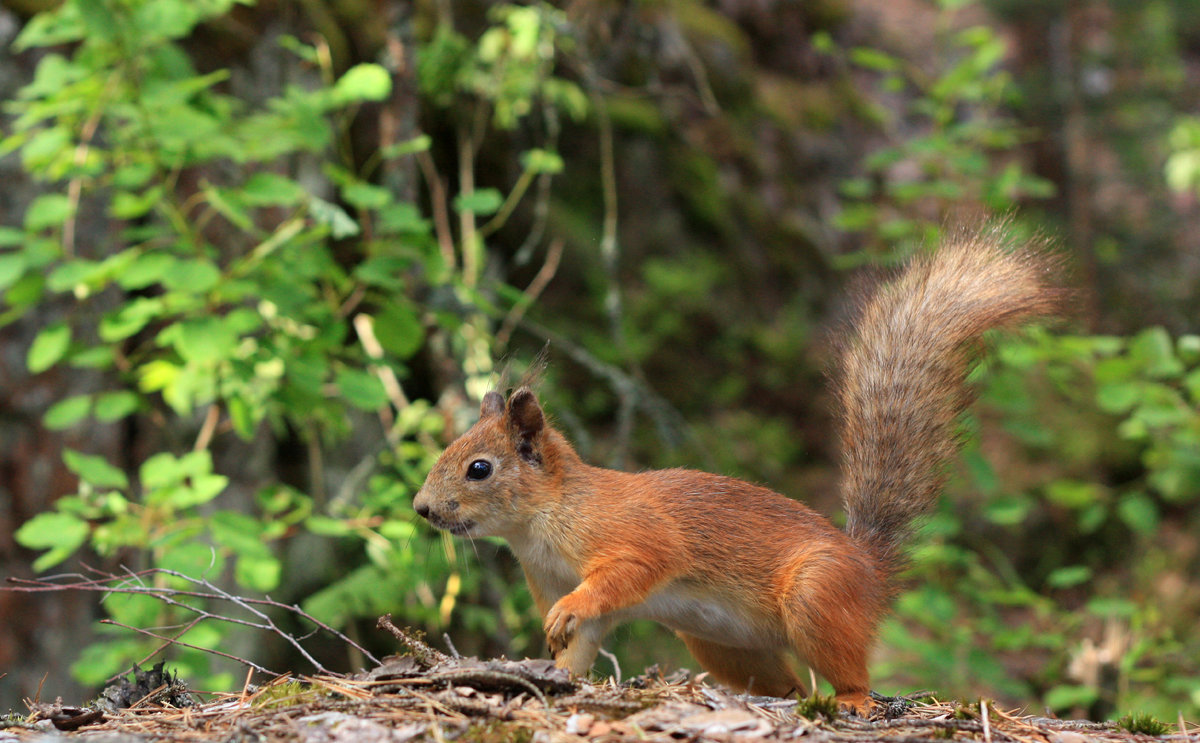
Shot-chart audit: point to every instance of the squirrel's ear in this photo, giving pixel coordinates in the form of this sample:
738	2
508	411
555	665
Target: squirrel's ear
493	404
525	417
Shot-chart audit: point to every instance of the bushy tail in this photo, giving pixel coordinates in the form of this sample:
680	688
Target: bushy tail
902	384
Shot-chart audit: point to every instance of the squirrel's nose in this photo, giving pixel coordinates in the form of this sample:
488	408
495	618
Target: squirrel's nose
423	510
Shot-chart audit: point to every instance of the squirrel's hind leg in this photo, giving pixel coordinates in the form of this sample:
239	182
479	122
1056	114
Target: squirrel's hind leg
832	630
755	670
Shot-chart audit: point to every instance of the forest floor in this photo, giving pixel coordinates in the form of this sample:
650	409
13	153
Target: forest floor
425	695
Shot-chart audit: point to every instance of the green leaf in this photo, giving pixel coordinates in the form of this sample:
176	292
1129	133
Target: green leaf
1133	429
97	19
66	413
416	144
137	610
383	271
873	59
133	175
327	527
127	320
100	660
47	210
95	470
28	291
397	530
243	320
1007	511
245	417
983	474
47	530
570	98
96	357
1112	607
194	559
44	148
50	28
205	340
113	406
361	389
160	470
1067	697
203	489
48	347
258	573
1192	384
401	218
12	267
1074	493
52	558
363	82
366	196
191	385
272	189
72	274
399	330
238	532
195	276
1091	517
1155	351
299	48
1139	513
1069	576
357	593
542	161
1118	397
1189	348
110	536
127	205
484	201
174	19
1162	405
148	268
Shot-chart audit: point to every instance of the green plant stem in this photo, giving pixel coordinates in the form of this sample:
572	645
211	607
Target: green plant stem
509	205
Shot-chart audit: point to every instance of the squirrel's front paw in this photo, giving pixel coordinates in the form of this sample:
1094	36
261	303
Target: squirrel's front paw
560	627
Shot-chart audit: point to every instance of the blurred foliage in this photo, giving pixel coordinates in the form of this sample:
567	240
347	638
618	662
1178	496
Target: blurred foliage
242	273
951	160
1183	165
219	293
984	588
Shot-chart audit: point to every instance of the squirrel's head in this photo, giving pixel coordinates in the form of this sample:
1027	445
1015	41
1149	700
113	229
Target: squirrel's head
484	482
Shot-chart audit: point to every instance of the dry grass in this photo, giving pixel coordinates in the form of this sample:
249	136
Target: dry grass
463	699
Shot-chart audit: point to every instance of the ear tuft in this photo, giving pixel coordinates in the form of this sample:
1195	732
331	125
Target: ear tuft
493	405
524	414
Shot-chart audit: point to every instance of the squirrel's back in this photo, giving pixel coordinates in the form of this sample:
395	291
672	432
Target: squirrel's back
901	385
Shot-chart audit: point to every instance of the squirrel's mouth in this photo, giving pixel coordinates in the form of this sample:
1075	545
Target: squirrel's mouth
458	528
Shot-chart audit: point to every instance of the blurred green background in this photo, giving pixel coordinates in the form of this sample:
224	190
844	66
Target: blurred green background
259	262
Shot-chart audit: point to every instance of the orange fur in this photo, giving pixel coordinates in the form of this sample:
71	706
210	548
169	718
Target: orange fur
744	574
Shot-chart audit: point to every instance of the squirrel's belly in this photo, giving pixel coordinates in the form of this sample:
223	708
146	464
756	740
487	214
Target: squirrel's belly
709	617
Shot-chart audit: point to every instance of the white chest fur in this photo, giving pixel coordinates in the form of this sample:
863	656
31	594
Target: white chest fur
554	575
687	609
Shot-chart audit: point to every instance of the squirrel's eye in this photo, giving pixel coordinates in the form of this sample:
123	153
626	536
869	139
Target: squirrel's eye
479	469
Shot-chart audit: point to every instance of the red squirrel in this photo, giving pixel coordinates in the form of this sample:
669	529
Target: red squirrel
741	573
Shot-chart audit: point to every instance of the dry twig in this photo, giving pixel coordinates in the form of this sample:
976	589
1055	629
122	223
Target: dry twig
133	583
